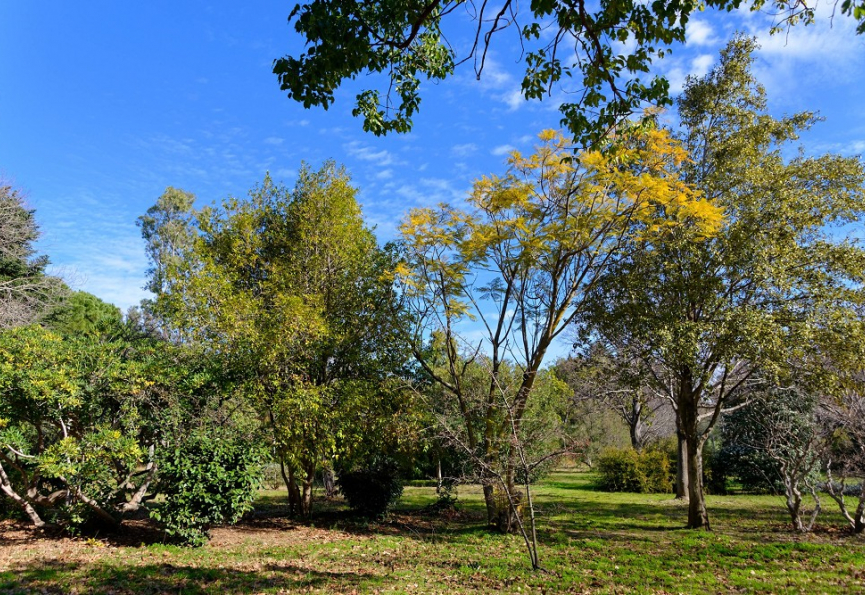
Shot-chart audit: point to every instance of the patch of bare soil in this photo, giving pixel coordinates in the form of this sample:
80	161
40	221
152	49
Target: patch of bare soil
22	544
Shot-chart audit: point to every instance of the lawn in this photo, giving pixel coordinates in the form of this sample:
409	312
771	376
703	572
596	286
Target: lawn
592	542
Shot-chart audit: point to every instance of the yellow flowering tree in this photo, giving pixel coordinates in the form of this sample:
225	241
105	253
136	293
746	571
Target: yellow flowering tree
518	262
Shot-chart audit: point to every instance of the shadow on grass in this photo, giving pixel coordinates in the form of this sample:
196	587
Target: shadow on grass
61	577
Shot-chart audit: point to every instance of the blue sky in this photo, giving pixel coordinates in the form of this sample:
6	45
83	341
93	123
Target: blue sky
104	104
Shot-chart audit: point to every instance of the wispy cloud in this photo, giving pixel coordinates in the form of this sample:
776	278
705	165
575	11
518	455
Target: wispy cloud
464	150
362	151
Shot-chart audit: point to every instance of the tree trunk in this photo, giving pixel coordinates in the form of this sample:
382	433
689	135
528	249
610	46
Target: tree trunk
687	423
794	505
681	467
306	501
859	519
6	486
438	475
329	482
635	424
698	517
509	505
490	502
291	488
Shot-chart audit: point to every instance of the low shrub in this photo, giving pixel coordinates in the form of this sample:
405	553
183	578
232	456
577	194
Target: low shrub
371	489
626	470
207	478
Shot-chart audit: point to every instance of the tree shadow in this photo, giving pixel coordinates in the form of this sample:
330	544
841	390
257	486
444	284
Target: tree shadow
63	577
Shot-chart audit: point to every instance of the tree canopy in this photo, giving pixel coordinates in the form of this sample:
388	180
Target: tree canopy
522	258
289	287
26	292
709	314
607	49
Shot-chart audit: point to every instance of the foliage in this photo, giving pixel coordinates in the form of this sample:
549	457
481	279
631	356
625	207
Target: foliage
627	470
741	455
84	314
208	477
371	488
26	292
290	288
521	259
73	424
605	49
705	312
605	378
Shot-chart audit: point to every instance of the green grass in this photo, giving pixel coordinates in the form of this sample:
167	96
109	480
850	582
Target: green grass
592	542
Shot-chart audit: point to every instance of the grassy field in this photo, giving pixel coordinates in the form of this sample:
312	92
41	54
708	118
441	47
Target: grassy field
592	542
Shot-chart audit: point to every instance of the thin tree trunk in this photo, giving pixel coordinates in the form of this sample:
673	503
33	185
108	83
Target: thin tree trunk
306	501
6	486
490	502
681	467
635	423
328	481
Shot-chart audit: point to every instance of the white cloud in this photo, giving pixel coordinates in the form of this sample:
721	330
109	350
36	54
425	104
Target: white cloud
701	65
363	152
514	99
273	140
503	150
464	150
385	174
700	33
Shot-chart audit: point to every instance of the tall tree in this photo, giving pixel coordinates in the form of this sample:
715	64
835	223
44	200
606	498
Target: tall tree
606	48
521	260
706	313
26	292
290	286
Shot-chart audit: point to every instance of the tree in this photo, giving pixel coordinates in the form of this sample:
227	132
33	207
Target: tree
706	313
290	287
606	49
602	377
521	260
780	428
842	420
167	229
73	425
26	292
84	314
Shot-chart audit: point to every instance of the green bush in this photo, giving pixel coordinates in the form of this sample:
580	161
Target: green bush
373	488
656	469
626	470
207	478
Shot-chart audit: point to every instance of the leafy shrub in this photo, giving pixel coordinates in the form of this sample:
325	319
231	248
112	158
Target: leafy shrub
207	478
655	465
373	488
620	470
626	470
